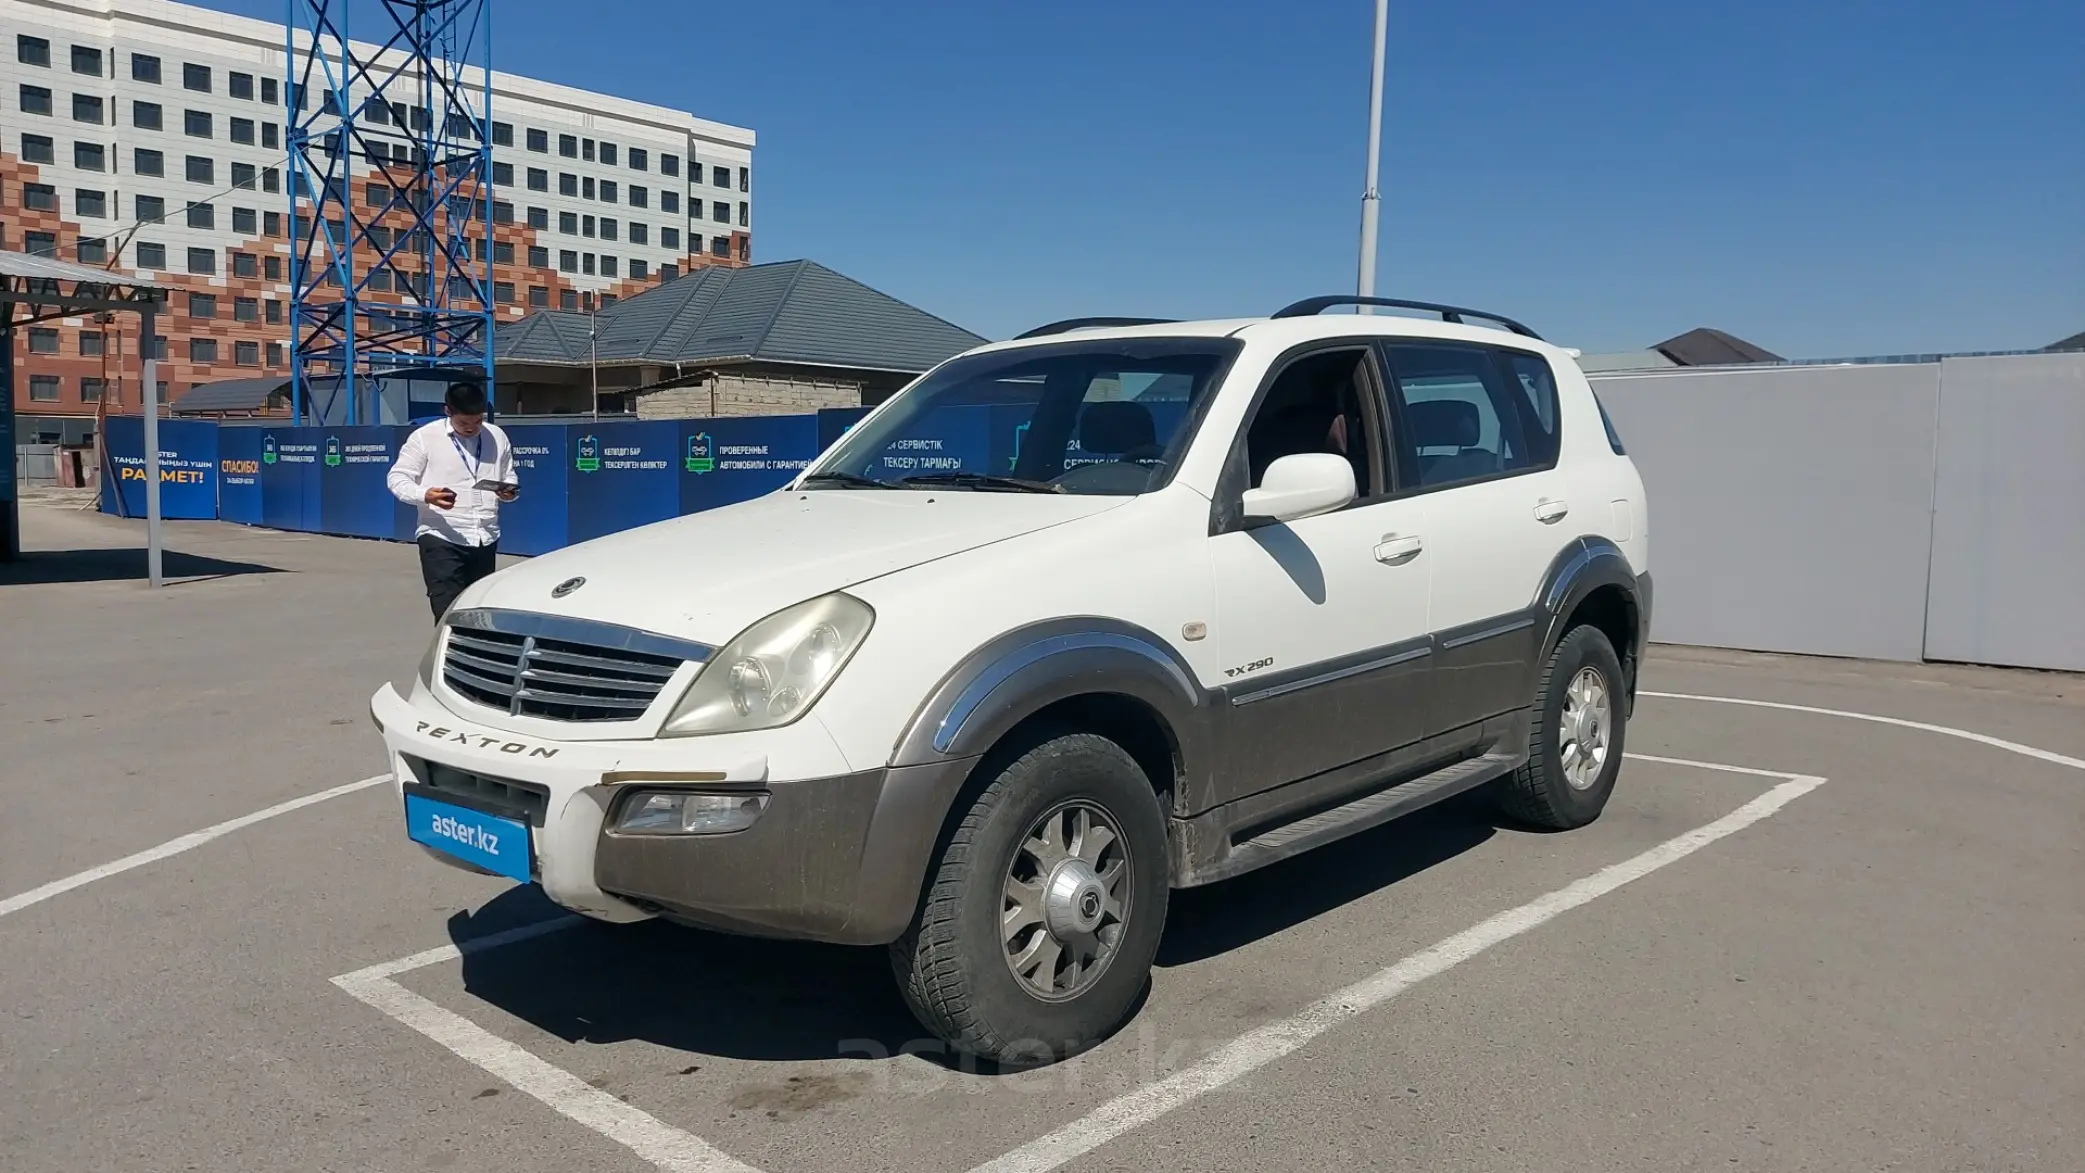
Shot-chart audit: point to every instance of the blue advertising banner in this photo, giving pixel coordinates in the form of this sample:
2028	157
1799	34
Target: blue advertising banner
187	468
620	476
290	478
956	439
833	422
352	498
724	461
239	475
534	523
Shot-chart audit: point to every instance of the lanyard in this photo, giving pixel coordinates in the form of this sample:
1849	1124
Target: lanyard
478	447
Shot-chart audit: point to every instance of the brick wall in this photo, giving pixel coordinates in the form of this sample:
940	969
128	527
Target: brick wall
731	394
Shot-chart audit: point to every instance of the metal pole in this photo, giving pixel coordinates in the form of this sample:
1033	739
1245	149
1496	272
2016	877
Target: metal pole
149	397
593	347
1370	200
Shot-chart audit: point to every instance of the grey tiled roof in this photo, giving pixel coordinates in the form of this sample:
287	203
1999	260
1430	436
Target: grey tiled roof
787	312
1707	347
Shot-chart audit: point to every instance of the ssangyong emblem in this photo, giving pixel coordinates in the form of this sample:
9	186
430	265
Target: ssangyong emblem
566	587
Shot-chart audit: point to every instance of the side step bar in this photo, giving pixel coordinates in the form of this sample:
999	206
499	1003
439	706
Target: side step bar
1369	810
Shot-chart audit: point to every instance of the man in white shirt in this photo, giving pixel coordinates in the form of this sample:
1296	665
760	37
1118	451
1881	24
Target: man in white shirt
440	469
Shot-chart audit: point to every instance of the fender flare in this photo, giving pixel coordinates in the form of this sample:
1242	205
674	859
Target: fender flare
1586	565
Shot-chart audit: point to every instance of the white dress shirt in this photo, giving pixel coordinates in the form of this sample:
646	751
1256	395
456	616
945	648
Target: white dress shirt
434	456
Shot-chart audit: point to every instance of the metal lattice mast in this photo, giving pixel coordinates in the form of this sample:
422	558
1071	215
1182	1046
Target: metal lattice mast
399	278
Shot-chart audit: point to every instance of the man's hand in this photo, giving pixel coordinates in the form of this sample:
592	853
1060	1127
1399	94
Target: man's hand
507	492
442	498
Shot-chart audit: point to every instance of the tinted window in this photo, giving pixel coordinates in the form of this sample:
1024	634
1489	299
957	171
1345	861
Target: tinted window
1316	404
1459	417
1095	417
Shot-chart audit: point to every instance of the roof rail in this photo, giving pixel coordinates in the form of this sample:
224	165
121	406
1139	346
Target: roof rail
1311	306
1083	323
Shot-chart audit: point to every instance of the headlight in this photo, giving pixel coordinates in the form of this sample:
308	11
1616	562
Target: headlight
775	670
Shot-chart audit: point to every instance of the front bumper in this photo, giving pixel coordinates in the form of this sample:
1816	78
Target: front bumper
836	856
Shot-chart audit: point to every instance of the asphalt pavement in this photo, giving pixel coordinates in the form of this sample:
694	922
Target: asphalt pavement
1803	940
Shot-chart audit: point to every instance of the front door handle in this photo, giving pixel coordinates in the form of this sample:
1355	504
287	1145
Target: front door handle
1550	512
1395	548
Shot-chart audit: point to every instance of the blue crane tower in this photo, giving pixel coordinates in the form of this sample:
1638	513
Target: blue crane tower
390	187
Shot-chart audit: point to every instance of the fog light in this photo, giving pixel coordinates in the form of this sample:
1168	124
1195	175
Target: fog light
686	812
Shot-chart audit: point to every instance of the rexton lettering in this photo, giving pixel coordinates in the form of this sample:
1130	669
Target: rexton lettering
444	733
478	837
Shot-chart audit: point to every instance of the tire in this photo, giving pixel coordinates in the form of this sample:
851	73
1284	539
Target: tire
954	965
1555	788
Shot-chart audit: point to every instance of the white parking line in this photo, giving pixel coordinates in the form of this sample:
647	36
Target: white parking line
674	1149
1877	718
1257	1048
188	842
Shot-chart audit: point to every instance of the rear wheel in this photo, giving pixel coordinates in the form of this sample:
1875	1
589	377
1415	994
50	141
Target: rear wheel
1575	739
1044	910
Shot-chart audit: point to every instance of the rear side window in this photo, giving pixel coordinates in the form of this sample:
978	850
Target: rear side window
1470	413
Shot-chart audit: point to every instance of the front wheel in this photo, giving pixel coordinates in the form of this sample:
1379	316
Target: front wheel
1575	738
1044	910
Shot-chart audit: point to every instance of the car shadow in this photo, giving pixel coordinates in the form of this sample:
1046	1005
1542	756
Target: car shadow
118	565
705	993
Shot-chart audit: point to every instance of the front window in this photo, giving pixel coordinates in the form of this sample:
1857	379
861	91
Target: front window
1107	417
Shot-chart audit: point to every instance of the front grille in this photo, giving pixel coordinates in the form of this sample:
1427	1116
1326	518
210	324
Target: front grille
565	670
524	801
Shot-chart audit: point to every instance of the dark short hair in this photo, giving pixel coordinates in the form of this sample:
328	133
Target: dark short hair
465	399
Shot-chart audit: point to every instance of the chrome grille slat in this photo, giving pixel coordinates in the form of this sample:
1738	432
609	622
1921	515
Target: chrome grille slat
560	669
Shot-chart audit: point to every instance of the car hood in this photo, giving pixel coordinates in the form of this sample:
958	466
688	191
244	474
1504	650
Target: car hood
710	575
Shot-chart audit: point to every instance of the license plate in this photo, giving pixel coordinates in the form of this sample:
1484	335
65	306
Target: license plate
498	845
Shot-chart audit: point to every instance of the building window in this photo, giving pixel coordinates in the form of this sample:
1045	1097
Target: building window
272	311
567	184
38	148
150	209
669	164
87	202
608	191
640	233
246	354
568	261
720	246
195	123
43	388
275	354
376	195
670	202
379	280
271	224
246	265
146	161
239	85
201	169
720	212
745	214
203	260
586	226
640	159
608	153
32	50
538	179
268	90
271	179
503	292
568	146
271	136
144	68
242	130
539	219
202	350
640	197
607	265
538	257
245	309
587	187
694	209
90	344
246	221
638	269
538	140
43	340
202	305
568	223
607	228
90	389
39	197
503	174
502	134
668	272
90	156
147	116
587	263
196	77
36	99
745	248
271	268
720	176
502	252
586	150
202	216
151	256
86	60
538	297
670	238
745	179
568	300
502	212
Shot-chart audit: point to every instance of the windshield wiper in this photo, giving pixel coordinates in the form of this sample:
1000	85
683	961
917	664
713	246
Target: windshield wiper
981	480
848	479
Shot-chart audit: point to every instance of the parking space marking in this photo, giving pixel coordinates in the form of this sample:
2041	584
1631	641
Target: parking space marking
559	1090
1257	1048
188	842
1945	730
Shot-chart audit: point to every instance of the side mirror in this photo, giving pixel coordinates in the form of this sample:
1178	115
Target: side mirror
1300	486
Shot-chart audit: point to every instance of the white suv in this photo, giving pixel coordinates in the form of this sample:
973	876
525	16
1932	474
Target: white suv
1243	588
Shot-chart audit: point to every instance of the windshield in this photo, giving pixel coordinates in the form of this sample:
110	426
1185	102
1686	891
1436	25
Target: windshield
1107	417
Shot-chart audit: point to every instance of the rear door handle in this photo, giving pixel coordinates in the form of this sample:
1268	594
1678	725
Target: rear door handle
1550	512
1395	548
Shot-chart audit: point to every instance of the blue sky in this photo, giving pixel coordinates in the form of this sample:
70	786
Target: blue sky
1825	178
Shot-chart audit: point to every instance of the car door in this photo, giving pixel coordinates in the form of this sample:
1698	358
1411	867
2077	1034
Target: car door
1478	438
1322	622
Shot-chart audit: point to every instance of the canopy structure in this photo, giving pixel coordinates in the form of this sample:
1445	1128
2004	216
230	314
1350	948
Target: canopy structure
37	289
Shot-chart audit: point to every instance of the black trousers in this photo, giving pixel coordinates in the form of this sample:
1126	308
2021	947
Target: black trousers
449	568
